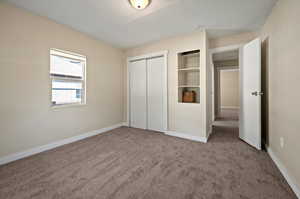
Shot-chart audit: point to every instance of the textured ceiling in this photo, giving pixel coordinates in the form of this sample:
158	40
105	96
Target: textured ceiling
116	22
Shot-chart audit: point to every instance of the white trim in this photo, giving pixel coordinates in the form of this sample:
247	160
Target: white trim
230	107
289	178
67	54
164	54
147	56
67	105
39	149
186	136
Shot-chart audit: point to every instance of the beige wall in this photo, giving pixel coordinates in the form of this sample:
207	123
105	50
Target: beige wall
183	118
232	39
26	119
229	83
283	30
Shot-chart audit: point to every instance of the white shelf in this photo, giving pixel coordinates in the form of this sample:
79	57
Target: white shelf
196	68
189	86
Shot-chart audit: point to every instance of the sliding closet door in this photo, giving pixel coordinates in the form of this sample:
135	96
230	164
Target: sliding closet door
138	94
156	85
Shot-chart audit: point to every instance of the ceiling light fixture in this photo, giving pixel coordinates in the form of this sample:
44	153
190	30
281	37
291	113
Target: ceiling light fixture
140	4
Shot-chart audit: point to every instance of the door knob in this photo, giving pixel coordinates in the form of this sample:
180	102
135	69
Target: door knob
256	93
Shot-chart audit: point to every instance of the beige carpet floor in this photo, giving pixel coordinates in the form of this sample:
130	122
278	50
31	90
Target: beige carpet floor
134	164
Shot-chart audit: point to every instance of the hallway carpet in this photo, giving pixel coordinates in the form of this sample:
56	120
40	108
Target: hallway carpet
227	117
129	163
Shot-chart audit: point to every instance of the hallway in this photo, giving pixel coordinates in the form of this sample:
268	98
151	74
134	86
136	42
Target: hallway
227	117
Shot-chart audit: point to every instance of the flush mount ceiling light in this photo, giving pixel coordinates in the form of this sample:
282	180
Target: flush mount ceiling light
140	4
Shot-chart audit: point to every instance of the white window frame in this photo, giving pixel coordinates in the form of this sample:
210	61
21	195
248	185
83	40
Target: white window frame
70	55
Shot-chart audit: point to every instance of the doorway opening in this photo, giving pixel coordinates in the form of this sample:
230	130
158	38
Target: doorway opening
247	59
226	97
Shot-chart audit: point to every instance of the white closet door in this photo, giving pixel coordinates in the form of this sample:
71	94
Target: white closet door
156	85
138	94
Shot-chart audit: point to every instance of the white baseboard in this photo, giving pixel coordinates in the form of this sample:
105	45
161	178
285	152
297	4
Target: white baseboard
125	124
186	136
290	179
230	107
39	149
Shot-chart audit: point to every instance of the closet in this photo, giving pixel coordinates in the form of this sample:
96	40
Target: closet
148	93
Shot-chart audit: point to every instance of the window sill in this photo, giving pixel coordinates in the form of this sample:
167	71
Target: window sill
67	106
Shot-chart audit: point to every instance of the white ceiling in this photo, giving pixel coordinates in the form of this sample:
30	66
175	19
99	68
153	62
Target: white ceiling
116	22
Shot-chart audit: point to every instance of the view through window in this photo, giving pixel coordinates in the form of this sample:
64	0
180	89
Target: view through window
67	73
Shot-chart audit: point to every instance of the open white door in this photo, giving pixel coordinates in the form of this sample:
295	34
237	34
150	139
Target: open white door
250	81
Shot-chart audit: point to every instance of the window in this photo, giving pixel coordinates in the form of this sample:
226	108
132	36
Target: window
67	73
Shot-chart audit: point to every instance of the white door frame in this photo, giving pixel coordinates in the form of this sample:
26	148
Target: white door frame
165	88
218	50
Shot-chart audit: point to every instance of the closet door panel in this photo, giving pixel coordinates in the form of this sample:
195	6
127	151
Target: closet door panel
138	94
155	72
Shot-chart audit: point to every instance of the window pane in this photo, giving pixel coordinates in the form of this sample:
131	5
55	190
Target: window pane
66	92
63	66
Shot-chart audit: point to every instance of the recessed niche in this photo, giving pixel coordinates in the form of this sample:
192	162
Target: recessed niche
189	77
